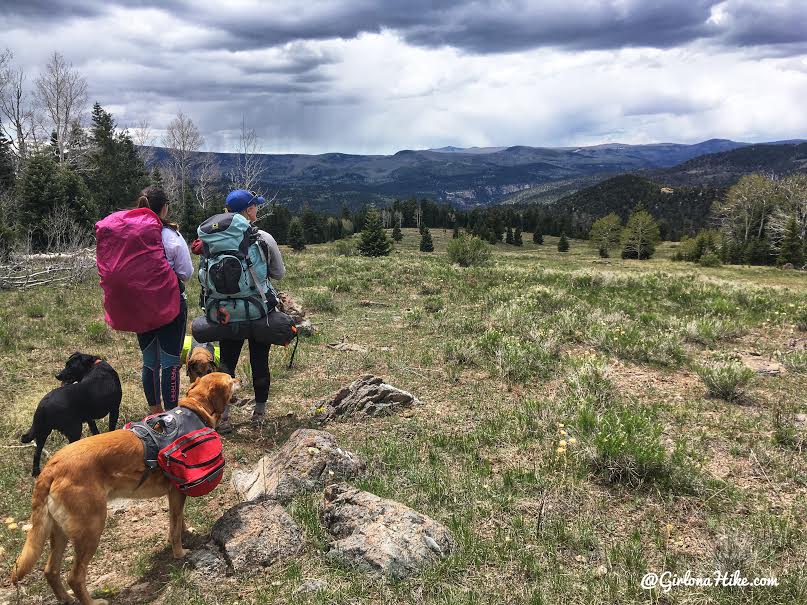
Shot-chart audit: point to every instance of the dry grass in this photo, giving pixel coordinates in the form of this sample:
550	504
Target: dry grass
500	356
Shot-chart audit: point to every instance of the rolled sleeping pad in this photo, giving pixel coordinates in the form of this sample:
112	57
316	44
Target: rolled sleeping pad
276	328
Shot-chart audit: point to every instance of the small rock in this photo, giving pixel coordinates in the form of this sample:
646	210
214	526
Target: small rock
760	365
311	586
346	346
118	506
367	396
601	570
308	461
256	534
381	536
208	561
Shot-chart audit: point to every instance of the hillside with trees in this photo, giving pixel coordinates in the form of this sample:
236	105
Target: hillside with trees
679	211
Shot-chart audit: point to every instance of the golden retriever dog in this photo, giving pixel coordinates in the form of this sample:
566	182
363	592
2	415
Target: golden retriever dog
201	362
70	497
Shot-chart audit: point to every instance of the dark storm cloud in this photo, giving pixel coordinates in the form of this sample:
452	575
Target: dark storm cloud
483	26
771	23
308	78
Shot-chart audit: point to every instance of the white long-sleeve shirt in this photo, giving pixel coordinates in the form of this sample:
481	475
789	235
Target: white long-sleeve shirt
177	253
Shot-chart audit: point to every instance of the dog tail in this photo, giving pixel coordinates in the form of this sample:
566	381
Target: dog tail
39	419
41	523
27	437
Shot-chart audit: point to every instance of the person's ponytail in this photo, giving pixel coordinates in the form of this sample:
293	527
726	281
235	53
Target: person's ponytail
154	198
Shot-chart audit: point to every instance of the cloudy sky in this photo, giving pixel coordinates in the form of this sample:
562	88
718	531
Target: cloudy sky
369	76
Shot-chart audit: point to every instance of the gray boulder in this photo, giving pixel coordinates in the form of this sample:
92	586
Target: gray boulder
208	562
253	535
367	396
381	536
308	461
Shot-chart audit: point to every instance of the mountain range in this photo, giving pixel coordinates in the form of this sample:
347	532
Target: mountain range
470	177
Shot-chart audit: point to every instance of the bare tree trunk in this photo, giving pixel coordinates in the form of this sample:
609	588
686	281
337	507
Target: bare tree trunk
16	108
209	173
182	139
63	93
143	138
249	164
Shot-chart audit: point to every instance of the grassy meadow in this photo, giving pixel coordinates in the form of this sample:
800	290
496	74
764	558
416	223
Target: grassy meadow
567	435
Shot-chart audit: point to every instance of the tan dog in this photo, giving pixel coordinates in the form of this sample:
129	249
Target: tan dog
200	363
70	496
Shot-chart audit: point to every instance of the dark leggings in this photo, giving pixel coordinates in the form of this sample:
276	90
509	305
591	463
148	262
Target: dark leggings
161	349
258	359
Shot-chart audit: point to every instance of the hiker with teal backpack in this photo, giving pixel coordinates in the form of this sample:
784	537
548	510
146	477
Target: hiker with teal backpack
238	261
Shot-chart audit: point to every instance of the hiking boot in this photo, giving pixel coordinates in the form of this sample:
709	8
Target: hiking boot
224	427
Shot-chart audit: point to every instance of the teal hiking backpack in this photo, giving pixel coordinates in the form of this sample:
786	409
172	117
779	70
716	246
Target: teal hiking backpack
232	270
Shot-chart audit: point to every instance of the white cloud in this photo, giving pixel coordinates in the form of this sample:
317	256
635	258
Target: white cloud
378	92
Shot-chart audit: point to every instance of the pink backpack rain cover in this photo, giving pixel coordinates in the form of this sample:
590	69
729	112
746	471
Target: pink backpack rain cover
141	291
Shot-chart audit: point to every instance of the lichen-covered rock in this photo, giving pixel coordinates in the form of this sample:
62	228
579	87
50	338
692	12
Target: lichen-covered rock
367	396
381	536
308	461
208	562
253	535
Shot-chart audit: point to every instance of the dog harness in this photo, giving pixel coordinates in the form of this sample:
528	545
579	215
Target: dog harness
183	447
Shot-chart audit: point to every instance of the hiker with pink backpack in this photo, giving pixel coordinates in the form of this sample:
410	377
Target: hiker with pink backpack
144	262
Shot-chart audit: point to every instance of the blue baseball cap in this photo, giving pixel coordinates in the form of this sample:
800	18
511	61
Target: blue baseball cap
241	199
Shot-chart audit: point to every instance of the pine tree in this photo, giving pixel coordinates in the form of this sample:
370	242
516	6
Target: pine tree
296	235
426	244
493	239
118	173
6	163
45	185
791	248
156	177
537	238
563	243
374	240
640	236
605	233
517	239
396	233
509	237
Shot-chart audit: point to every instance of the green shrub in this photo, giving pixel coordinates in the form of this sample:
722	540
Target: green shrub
518	359
319	300
708	330
636	342
345	247
468	251
35	311
339	284
801	319
725	380
97	331
590	383
627	449
710	259
795	361
433	304
708	242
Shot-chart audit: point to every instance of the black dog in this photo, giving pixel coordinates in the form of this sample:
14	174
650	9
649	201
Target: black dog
90	390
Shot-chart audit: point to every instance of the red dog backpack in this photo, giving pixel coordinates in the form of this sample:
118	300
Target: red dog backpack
188	452
141	291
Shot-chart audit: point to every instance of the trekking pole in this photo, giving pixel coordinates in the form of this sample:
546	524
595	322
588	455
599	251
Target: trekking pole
294	350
